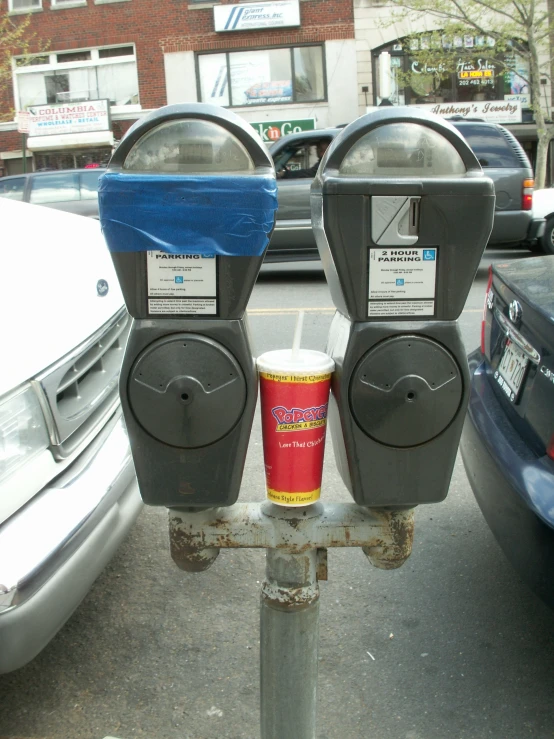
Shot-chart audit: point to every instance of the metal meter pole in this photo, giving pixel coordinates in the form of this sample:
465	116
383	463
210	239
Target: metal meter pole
289	630
296	540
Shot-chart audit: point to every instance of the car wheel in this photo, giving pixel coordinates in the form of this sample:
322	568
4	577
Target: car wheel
547	239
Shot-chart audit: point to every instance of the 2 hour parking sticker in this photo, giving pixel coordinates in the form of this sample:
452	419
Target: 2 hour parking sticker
402	282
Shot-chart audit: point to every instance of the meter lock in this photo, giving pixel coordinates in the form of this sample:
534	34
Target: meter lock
395	220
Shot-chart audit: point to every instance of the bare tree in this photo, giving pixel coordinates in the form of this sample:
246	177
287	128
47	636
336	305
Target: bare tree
511	31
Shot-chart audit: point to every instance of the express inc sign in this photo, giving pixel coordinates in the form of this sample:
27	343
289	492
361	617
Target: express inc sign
249	16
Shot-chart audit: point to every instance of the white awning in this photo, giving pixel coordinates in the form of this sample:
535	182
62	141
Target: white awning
70	141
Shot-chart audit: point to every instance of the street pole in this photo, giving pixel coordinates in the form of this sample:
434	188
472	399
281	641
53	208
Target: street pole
296	540
24	147
289	630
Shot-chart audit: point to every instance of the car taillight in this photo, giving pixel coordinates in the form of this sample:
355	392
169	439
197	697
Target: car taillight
550	448
485	308
527	196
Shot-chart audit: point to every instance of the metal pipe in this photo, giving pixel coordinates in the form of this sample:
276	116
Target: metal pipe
289	632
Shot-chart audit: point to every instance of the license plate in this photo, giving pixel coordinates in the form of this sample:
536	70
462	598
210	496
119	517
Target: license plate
511	370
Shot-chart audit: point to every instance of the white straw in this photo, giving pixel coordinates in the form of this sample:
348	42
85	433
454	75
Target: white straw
297	335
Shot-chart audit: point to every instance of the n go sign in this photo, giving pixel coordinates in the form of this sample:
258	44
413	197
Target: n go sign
273	130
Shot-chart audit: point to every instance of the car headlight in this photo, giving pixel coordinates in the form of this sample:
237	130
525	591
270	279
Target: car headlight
23	431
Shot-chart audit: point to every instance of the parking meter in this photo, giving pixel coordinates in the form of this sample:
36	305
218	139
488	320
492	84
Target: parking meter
187	207
402	213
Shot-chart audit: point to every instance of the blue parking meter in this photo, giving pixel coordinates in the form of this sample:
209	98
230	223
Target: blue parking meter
187	208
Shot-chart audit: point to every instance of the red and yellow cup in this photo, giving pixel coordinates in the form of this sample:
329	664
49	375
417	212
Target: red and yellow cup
294	400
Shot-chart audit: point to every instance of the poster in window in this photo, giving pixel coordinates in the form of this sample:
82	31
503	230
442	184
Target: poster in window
213	79
257	78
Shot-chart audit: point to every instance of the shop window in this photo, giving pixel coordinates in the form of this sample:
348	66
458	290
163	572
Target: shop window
262	77
471	73
71	77
115	51
25	4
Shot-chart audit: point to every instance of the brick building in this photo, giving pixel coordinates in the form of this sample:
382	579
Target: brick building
288	63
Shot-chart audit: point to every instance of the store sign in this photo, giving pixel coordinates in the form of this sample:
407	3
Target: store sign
273	130
479	72
56	118
23	121
247	16
492	111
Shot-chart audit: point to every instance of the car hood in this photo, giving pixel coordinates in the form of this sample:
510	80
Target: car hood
50	268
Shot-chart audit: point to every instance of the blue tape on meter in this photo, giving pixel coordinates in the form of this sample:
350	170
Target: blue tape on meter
228	216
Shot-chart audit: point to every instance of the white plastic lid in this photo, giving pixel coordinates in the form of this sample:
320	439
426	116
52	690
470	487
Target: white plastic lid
307	362
189	146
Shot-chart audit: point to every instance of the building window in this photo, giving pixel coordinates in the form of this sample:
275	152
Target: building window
476	77
25	4
262	77
77	76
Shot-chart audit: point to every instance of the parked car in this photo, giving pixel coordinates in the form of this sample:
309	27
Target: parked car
543	207
499	152
73	190
68	493
508	438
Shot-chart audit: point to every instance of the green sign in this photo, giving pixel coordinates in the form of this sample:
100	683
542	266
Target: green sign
273	130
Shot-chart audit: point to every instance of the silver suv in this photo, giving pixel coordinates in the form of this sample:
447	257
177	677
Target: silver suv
499	152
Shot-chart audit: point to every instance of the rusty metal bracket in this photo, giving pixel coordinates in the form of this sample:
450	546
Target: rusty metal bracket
385	535
296	540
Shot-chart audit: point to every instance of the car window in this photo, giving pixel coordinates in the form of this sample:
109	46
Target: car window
12	189
300	155
55	188
490	147
89	184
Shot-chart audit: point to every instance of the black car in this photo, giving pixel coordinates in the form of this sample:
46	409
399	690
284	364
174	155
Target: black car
508	438
499	152
72	190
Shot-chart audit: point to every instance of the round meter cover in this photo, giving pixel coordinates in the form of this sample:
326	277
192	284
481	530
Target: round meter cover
402	149
189	146
187	390
405	391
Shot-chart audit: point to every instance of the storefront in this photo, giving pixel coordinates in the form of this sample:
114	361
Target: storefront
470	83
66	100
281	65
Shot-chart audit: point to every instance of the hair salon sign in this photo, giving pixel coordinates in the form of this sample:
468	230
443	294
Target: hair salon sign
248	16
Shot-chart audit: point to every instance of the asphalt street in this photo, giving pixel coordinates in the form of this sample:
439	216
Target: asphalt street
451	646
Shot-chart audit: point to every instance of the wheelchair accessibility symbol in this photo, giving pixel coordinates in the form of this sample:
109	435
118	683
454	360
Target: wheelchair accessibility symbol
429	255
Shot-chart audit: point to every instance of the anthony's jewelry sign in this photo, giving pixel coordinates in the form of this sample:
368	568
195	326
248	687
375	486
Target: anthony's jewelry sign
248	16
492	111
56	118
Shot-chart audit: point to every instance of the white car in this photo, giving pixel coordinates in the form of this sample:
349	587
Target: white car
68	493
543	207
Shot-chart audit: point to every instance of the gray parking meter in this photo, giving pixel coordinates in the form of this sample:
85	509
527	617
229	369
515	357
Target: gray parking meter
187	207
401	213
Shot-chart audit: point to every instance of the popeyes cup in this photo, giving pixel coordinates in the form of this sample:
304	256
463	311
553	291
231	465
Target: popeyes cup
294	389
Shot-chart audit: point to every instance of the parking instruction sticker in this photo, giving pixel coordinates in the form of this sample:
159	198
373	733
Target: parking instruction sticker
402	282
181	283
